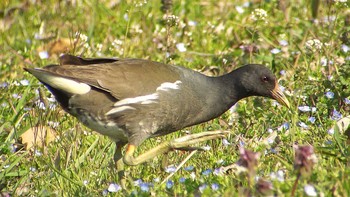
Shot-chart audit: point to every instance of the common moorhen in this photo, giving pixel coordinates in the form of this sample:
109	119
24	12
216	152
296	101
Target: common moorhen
130	100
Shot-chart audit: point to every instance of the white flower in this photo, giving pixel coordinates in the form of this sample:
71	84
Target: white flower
83	37
43	54
259	14
310	190
313	45
181	47
239	9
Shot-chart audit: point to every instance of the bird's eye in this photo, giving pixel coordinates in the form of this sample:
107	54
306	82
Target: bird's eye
265	79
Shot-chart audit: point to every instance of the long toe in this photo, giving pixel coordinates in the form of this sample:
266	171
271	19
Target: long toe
192	139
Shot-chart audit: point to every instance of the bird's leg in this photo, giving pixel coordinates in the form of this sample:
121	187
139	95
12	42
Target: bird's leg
179	143
119	163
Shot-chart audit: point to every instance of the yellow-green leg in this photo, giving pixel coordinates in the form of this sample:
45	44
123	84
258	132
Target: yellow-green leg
182	143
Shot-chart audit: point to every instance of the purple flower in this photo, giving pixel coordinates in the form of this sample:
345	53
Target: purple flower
336	115
304	159
169	184
282	72
113	187
249	160
347	101
329	95
264	187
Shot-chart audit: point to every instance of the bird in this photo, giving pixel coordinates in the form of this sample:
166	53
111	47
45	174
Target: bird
131	100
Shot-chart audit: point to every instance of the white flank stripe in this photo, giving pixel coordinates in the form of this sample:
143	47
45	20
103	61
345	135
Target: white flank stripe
119	109
66	85
140	99
169	86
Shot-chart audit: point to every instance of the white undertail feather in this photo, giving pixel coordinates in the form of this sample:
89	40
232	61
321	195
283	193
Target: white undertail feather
67	85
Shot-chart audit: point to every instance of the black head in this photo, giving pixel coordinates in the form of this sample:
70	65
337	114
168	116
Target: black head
258	80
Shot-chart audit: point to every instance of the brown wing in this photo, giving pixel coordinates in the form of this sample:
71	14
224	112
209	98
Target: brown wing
123	78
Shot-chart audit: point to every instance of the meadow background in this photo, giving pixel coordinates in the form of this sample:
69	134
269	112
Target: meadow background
46	152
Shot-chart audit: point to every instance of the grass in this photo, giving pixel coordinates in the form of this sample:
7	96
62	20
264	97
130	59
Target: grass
78	161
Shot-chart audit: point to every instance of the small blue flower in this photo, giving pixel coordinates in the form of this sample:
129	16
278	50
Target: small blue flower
113	187
32	169
284	126
170	169
189	168
3	85
275	51
303	125
312	119
144	187
282	72
336	115
345	48
310	190
283	42
24	82
217	171
105	192
225	142
206	172
182	180
169	184
138	182
330	131
347	101
241	143
37	153
85	182
202	187
304	108
214	186
273	151
330	95
16	96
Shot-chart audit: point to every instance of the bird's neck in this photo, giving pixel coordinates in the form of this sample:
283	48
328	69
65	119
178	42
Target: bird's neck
223	92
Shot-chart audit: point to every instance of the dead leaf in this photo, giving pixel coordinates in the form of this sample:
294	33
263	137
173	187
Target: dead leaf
61	45
38	136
